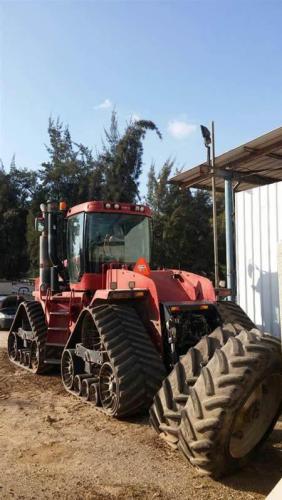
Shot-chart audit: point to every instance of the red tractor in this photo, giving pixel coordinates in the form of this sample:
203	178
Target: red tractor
128	338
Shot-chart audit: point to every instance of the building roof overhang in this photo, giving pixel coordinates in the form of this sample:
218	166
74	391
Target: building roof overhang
256	163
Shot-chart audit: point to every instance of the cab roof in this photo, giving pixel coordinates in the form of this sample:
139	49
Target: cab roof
109	206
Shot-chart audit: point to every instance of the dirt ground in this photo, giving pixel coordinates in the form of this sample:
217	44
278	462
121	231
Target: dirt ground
53	446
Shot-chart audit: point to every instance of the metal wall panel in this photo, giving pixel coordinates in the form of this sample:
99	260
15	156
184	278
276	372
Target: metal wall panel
280	278
258	216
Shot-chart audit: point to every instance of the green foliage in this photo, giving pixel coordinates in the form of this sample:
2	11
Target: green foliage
121	160
25	185
7	193
182	220
13	251
182	227
65	175
14	259
221	234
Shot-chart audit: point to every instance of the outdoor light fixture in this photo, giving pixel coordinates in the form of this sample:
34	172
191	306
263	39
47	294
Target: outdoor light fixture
206	135
209	144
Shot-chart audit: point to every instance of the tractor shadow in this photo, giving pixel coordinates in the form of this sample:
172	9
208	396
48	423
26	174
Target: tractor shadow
264	471
266	287
142	419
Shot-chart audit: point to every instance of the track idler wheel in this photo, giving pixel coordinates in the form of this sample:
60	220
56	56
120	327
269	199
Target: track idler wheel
34	356
71	366
108	389
13	351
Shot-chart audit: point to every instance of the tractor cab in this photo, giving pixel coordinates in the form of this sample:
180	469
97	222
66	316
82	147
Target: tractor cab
112	236
92	236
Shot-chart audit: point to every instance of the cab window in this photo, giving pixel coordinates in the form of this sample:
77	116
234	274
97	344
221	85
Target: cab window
75	247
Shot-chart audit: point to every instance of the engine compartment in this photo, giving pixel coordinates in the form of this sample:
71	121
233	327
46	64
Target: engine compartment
185	325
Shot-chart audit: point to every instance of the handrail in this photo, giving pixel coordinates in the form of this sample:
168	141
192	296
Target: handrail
70	304
47	300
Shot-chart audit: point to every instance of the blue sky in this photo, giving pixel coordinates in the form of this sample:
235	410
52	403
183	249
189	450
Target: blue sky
178	63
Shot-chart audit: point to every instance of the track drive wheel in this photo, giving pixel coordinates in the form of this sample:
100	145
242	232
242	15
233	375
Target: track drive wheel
165	413
234	404
109	389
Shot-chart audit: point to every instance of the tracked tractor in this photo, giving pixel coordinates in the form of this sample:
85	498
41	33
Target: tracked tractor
130	339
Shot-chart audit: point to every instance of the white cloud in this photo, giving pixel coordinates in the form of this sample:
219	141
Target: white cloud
135	117
180	129
106	104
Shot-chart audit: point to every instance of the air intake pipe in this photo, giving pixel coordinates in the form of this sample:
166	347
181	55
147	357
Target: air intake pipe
57	268
44	263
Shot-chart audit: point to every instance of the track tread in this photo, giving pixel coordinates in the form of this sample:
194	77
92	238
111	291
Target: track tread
137	363
36	318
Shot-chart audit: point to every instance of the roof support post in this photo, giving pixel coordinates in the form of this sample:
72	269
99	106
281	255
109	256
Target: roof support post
229	232
214	211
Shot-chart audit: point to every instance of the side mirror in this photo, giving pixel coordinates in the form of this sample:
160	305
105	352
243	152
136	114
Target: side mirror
39	224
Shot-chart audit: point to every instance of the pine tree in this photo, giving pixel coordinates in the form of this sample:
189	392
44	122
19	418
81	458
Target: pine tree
25	183
13	212
65	175
182	224
121	160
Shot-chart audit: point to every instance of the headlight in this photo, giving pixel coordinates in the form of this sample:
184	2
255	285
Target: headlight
6	316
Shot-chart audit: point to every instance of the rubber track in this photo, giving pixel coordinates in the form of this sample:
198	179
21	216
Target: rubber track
222	387
165	413
35	316
138	365
233	313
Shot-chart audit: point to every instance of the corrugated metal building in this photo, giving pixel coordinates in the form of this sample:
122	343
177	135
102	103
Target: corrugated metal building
258	221
258	232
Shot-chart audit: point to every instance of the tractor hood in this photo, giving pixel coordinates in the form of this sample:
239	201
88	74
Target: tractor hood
182	286
168	285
